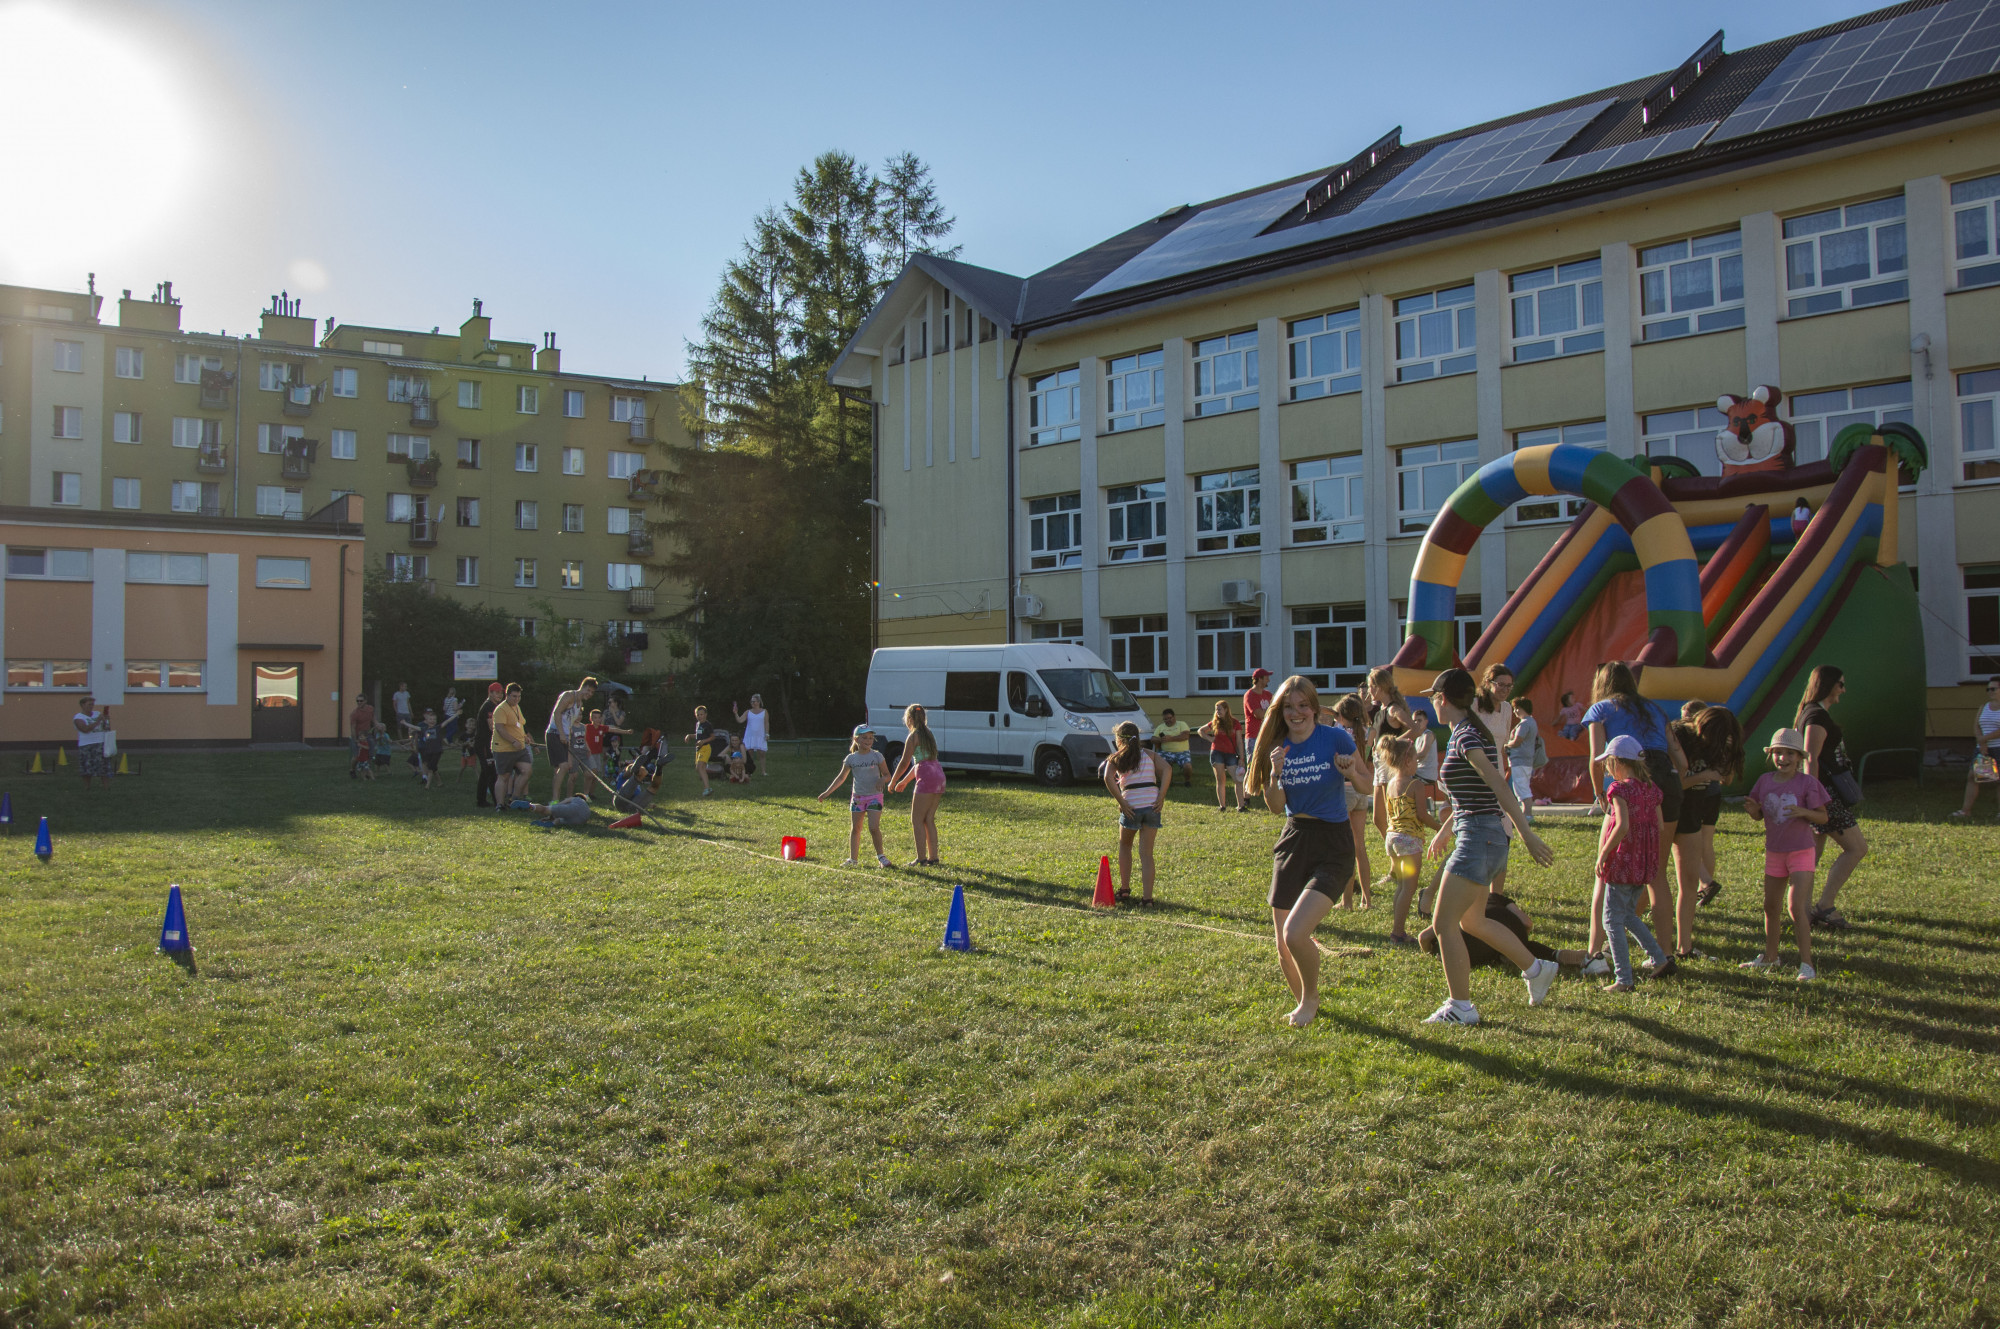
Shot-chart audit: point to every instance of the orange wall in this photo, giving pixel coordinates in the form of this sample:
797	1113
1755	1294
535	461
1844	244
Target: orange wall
161	622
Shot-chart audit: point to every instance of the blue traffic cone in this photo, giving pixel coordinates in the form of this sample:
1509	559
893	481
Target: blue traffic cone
957	931
45	847
6	814
174	937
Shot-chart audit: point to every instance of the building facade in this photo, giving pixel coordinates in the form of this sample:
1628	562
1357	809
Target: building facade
1215	441
490	472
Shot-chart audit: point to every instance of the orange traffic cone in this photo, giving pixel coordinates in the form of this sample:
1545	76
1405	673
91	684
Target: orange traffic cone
1104	899
627	823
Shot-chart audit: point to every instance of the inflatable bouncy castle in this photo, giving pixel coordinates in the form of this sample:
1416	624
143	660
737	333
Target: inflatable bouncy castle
1726	588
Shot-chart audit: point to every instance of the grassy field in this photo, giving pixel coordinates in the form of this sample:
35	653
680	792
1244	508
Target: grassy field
437	1067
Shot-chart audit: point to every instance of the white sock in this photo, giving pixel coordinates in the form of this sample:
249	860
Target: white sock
1461	1004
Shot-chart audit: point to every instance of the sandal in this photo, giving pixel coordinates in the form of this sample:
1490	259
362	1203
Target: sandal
1124	895
1826	916
1691	953
1706	895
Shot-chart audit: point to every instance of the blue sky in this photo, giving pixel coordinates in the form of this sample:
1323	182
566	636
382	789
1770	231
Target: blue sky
587	168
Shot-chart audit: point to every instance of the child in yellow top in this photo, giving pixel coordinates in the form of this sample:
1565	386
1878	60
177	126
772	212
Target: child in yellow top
1407	807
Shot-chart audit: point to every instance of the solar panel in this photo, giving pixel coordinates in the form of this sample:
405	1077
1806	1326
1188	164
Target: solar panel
1911	53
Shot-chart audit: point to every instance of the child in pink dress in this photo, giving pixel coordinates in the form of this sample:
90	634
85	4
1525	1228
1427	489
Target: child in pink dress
1627	856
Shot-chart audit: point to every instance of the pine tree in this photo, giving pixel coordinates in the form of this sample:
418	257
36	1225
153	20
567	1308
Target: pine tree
909	217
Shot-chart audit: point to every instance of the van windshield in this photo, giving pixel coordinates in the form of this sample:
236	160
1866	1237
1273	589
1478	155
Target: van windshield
1088	690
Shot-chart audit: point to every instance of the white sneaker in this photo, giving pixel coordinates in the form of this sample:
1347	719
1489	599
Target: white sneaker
850	863
1807	973
883	859
1760	963
1596	966
1540	979
1449	1013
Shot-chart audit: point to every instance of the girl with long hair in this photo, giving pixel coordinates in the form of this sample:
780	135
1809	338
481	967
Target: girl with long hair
1496	712
1617	708
1351	713
1712	741
1225	756
1139	780
919	766
1826	761
1480	798
1300	767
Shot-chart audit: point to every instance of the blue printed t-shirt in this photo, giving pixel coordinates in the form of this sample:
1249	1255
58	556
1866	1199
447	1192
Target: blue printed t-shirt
1649	726
1313	784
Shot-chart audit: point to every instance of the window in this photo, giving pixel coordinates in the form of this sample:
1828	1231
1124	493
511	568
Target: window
572	521
400	507
1425	477
1691	286
468	454
409	567
1135	391
382	347
273	375
129	362
623	465
52	675
468	399
1136	522
271	438
1558	310
1227	510
1053	408
1225	373
188	368
628	408
527	401
1058	632
624	576
1435	334
1838	258
468	572
1326	500
1978	437
1139	652
124	426
468	512
52	564
1055	531
189	496
410	447
68	357
167	569
527	515
1560	507
1227	647
1818	417
1467	623
571	578
572	461
163	675
524	573
66	488
278	501
285	574
69	422
408	387
527	626
526	457
190	432
1330	645
1689	435
340	444
1325	355
1976	231
1982	621
347	383
618	521
572	404
124	493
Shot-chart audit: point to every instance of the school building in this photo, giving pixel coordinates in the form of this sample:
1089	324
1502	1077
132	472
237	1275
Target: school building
1215	440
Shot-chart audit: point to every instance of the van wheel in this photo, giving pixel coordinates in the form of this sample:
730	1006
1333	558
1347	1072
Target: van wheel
893	754
1052	768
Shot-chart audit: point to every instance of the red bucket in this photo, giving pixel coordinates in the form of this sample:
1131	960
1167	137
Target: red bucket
792	847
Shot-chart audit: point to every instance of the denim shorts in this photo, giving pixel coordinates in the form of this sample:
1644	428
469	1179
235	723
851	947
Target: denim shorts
1479	848
1142	819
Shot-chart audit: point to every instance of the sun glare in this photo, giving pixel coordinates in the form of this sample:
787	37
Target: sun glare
98	144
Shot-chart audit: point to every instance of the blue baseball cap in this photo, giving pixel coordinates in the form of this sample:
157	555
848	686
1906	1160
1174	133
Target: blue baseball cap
861	729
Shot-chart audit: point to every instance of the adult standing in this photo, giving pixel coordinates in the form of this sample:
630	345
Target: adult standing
614	728
1496	712
563	736
90	726
1826	761
756	727
1255	702
1617	708
513	759
1985	737
399	702
1300	766
360	727
482	743
450	709
1479	799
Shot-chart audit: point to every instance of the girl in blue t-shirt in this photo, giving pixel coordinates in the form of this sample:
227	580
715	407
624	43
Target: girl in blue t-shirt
1616	709
1300	766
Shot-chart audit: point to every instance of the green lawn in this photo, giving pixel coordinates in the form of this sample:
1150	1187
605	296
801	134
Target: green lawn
436	1067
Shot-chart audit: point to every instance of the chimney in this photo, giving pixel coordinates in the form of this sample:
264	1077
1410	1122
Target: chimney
474	334
548	360
149	315
282	322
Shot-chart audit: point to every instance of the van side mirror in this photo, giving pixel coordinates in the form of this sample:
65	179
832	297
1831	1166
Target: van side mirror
1037	708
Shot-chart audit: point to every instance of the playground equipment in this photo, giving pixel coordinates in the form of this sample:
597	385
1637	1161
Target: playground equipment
1717	588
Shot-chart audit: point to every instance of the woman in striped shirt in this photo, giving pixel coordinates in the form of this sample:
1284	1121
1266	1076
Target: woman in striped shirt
1138	779
1985	736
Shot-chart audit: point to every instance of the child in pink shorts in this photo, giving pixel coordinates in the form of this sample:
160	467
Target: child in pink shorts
1789	803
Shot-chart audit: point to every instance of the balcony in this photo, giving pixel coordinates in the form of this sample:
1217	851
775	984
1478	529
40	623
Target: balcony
642	429
648	484
424	533
423	474
297	461
215	385
299	399
639	600
639	540
423	413
212	458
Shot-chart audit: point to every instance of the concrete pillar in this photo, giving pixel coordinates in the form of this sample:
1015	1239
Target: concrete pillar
1621	422
1940	585
1180	628
1378	477
1489	294
1275	496
1763	299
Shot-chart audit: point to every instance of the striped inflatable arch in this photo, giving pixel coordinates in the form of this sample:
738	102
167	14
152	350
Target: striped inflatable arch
1659	538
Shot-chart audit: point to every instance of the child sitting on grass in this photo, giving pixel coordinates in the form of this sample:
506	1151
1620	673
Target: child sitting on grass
1789	803
1628	854
1406	807
871	778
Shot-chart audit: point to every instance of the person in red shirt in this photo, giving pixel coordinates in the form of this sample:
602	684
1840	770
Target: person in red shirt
360	724
1255	702
596	738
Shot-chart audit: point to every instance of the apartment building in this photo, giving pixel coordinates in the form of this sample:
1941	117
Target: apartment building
1215	441
489	471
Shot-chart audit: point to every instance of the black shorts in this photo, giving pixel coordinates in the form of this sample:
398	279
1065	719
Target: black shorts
1661	767
430	760
558	749
1839	816
1700	806
1311	855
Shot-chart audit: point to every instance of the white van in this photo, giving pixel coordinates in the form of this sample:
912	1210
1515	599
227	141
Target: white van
1033	707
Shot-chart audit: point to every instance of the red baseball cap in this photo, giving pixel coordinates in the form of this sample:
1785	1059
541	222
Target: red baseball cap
492	688
1260	673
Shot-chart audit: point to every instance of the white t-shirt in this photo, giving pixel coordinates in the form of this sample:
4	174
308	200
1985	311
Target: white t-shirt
400	701
93	739
753	729
1499	721
1989	726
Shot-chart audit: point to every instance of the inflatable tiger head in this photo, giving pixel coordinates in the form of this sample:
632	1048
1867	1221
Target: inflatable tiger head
1753	437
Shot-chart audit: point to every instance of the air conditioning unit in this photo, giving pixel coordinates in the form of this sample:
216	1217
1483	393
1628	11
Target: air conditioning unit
1028	606
1239	592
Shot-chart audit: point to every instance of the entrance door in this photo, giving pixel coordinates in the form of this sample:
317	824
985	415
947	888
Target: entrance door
971	735
275	713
